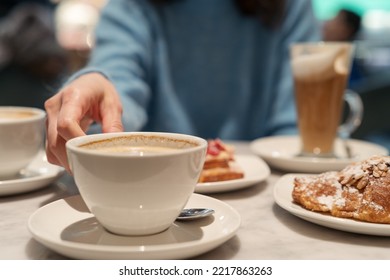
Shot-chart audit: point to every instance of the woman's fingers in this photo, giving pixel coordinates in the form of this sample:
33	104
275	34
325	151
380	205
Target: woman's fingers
71	111
75	107
55	144
111	114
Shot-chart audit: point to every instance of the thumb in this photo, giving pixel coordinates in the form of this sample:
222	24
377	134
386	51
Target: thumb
111	110
112	126
112	121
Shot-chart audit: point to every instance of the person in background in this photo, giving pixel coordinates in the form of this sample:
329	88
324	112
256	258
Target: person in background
207	68
345	27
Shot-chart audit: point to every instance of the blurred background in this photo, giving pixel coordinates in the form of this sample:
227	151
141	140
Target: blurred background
373	37
42	42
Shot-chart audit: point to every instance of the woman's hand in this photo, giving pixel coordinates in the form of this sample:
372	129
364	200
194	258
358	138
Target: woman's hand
90	98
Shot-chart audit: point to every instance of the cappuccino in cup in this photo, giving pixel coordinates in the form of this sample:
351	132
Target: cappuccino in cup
21	138
136	183
10	115
132	145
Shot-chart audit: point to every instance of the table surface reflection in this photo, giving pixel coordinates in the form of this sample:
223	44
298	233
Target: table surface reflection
267	231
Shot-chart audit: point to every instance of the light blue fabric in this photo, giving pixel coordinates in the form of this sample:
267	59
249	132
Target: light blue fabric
200	67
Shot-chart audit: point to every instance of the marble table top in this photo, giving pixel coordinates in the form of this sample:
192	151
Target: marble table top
267	231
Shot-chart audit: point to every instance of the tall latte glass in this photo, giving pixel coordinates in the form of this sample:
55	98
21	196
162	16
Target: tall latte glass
320	72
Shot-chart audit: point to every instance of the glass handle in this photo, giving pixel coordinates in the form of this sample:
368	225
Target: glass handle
355	116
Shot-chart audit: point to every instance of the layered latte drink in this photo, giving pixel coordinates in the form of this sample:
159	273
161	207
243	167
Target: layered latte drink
320	72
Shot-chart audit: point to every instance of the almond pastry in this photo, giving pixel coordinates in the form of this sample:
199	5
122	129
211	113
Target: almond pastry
360	191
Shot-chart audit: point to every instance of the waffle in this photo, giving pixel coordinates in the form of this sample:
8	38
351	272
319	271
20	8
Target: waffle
220	163
360	191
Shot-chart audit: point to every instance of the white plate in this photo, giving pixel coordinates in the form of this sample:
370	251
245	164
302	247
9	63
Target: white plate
255	171
283	197
67	227
38	174
280	152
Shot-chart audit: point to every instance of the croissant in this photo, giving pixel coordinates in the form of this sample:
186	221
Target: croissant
360	191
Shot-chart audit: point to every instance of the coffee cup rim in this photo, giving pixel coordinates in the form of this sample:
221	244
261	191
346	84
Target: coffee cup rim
74	143
39	114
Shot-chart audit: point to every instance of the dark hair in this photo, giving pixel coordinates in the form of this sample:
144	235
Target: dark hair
269	12
353	20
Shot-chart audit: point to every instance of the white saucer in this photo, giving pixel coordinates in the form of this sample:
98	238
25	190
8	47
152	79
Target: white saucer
38	174
67	227
280	152
283	197
255	171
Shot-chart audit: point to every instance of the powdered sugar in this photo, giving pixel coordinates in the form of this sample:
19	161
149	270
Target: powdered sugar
326	200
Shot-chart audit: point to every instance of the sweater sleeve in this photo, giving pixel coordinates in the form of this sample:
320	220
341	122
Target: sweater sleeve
122	54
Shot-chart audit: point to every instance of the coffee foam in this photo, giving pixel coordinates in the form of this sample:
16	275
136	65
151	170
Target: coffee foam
320	63
137	150
134	142
7	115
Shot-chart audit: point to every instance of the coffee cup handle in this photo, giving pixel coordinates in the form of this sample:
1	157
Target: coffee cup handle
355	116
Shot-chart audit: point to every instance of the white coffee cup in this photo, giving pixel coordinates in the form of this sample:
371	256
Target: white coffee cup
136	183
21	138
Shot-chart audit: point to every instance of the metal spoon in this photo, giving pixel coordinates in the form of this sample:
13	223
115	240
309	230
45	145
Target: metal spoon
194	213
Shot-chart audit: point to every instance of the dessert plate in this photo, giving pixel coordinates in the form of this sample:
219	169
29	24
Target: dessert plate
38	174
281	152
255	171
67	227
282	195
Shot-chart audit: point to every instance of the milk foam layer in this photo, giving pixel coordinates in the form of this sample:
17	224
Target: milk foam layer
137	151
320	62
138	145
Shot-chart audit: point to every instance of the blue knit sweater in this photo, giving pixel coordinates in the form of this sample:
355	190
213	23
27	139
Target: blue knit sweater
200	67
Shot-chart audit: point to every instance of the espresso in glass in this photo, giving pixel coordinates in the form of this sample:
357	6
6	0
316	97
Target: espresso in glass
320	74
